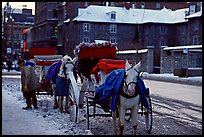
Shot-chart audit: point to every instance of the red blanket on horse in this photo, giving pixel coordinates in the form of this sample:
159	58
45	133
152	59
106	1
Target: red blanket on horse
108	65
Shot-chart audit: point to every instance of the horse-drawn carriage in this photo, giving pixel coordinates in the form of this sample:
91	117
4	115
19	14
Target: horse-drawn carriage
113	85
42	64
97	64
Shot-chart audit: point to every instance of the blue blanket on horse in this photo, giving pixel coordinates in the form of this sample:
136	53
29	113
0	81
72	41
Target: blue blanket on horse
53	71
29	63
112	87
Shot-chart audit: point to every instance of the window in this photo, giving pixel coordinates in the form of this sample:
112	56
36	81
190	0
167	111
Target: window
162	42
162	29
195	60
86	27
157	6
86	4
113	28
103	3
112	40
195	25
113	16
177	60
182	42
133	5
112	4
86	40
192	9
195	40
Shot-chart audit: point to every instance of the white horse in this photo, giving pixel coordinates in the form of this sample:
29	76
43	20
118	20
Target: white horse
65	68
129	88
124	103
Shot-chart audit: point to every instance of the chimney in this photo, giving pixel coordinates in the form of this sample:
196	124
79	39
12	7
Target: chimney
133	6
107	4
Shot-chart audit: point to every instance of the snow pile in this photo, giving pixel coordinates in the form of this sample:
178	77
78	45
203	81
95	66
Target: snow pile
197	80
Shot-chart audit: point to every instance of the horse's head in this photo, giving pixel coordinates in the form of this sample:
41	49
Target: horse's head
67	62
131	74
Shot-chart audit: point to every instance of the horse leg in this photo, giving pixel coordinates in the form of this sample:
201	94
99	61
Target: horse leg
67	104
134	115
114	122
56	105
61	103
122	110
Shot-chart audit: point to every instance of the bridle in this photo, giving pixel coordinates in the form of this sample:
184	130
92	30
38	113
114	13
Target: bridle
125	84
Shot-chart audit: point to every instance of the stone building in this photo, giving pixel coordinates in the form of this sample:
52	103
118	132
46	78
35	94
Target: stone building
45	24
155	28
71	39
186	60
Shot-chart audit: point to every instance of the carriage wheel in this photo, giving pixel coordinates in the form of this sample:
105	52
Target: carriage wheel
148	115
73	105
87	113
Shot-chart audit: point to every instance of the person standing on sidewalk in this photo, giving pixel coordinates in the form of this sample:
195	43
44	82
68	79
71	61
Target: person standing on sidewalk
9	64
30	84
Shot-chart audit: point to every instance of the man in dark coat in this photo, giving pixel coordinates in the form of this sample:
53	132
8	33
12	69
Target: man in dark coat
30	84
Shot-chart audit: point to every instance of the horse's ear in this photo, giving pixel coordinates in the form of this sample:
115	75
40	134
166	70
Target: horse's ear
127	65
137	66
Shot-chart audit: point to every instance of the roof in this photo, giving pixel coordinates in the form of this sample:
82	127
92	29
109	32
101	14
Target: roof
95	13
183	47
132	51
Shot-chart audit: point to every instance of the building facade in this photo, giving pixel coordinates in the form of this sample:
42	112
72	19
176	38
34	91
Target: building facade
13	25
45	24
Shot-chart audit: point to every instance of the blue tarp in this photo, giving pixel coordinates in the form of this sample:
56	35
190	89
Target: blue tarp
112	87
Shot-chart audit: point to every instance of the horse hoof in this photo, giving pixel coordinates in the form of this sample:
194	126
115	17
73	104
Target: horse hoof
81	106
67	111
61	110
55	107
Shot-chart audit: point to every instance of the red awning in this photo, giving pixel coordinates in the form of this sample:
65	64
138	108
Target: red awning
41	51
97	52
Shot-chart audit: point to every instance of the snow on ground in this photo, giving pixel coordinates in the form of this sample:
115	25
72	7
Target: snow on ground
59	123
49	121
